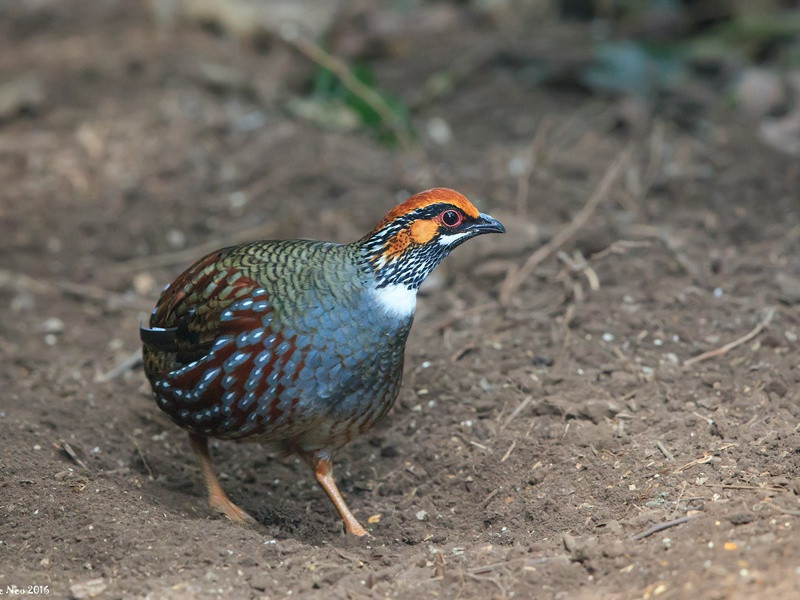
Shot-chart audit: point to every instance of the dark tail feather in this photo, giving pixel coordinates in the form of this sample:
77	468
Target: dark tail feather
162	338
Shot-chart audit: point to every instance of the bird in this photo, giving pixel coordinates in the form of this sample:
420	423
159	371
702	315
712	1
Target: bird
299	344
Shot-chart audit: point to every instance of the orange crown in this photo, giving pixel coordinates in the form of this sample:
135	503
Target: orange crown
426	198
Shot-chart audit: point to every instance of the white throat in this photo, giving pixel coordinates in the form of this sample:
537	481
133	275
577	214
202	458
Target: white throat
397	300
447	240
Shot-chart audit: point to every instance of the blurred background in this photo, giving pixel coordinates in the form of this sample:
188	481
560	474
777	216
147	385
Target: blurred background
557	402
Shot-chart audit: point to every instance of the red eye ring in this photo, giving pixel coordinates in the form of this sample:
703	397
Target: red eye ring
451	218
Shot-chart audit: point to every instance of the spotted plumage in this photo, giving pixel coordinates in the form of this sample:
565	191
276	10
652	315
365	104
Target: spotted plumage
296	342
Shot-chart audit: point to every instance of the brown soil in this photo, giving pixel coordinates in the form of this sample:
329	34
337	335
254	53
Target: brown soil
531	442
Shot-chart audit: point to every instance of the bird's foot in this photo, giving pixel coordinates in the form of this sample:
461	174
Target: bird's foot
323	470
221	503
355	528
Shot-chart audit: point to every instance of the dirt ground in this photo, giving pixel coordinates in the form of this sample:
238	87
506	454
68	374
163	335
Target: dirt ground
539	432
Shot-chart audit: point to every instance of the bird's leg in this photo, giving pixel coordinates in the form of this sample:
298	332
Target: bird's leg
216	495
323	470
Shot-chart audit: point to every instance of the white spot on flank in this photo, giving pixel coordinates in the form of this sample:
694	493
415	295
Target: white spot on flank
397	299
447	240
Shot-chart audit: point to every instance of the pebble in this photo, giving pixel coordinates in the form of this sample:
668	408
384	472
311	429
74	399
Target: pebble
176	238
23	301
439	131
260	582
24	93
143	283
518	165
789	286
760	91
422	515
87	589
52	325
672	357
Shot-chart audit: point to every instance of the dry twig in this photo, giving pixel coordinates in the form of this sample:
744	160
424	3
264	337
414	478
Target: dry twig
782	510
697	461
662	526
754	488
678	501
664	450
470	345
185	255
80	290
562	352
515	413
144	460
532	158
737	342
509	451
131	361
671	244
516	276
73	456
291	35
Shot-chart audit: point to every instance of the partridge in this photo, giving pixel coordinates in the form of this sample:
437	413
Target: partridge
299	343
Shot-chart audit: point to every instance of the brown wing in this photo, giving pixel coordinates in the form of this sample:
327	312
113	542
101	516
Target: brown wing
188	316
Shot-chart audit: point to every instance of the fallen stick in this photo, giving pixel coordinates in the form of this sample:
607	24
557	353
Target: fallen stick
516	276
754	488
185	255
11	279
707	458
515	413
664	450
131	361
68	450
662	526
292	36
737	342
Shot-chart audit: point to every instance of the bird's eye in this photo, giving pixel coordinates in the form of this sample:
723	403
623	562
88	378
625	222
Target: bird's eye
451	218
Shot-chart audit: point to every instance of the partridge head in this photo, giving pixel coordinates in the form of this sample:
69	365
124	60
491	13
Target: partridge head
299	343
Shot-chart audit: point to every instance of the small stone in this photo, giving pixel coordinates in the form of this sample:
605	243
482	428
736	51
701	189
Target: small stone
439	131
422	515
760	91
143	283
741	518
87	589
23	301
789	286
614	549
23	94
237	201
579	548
595	411
176	238
260	582
389	452
518	165
52	325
